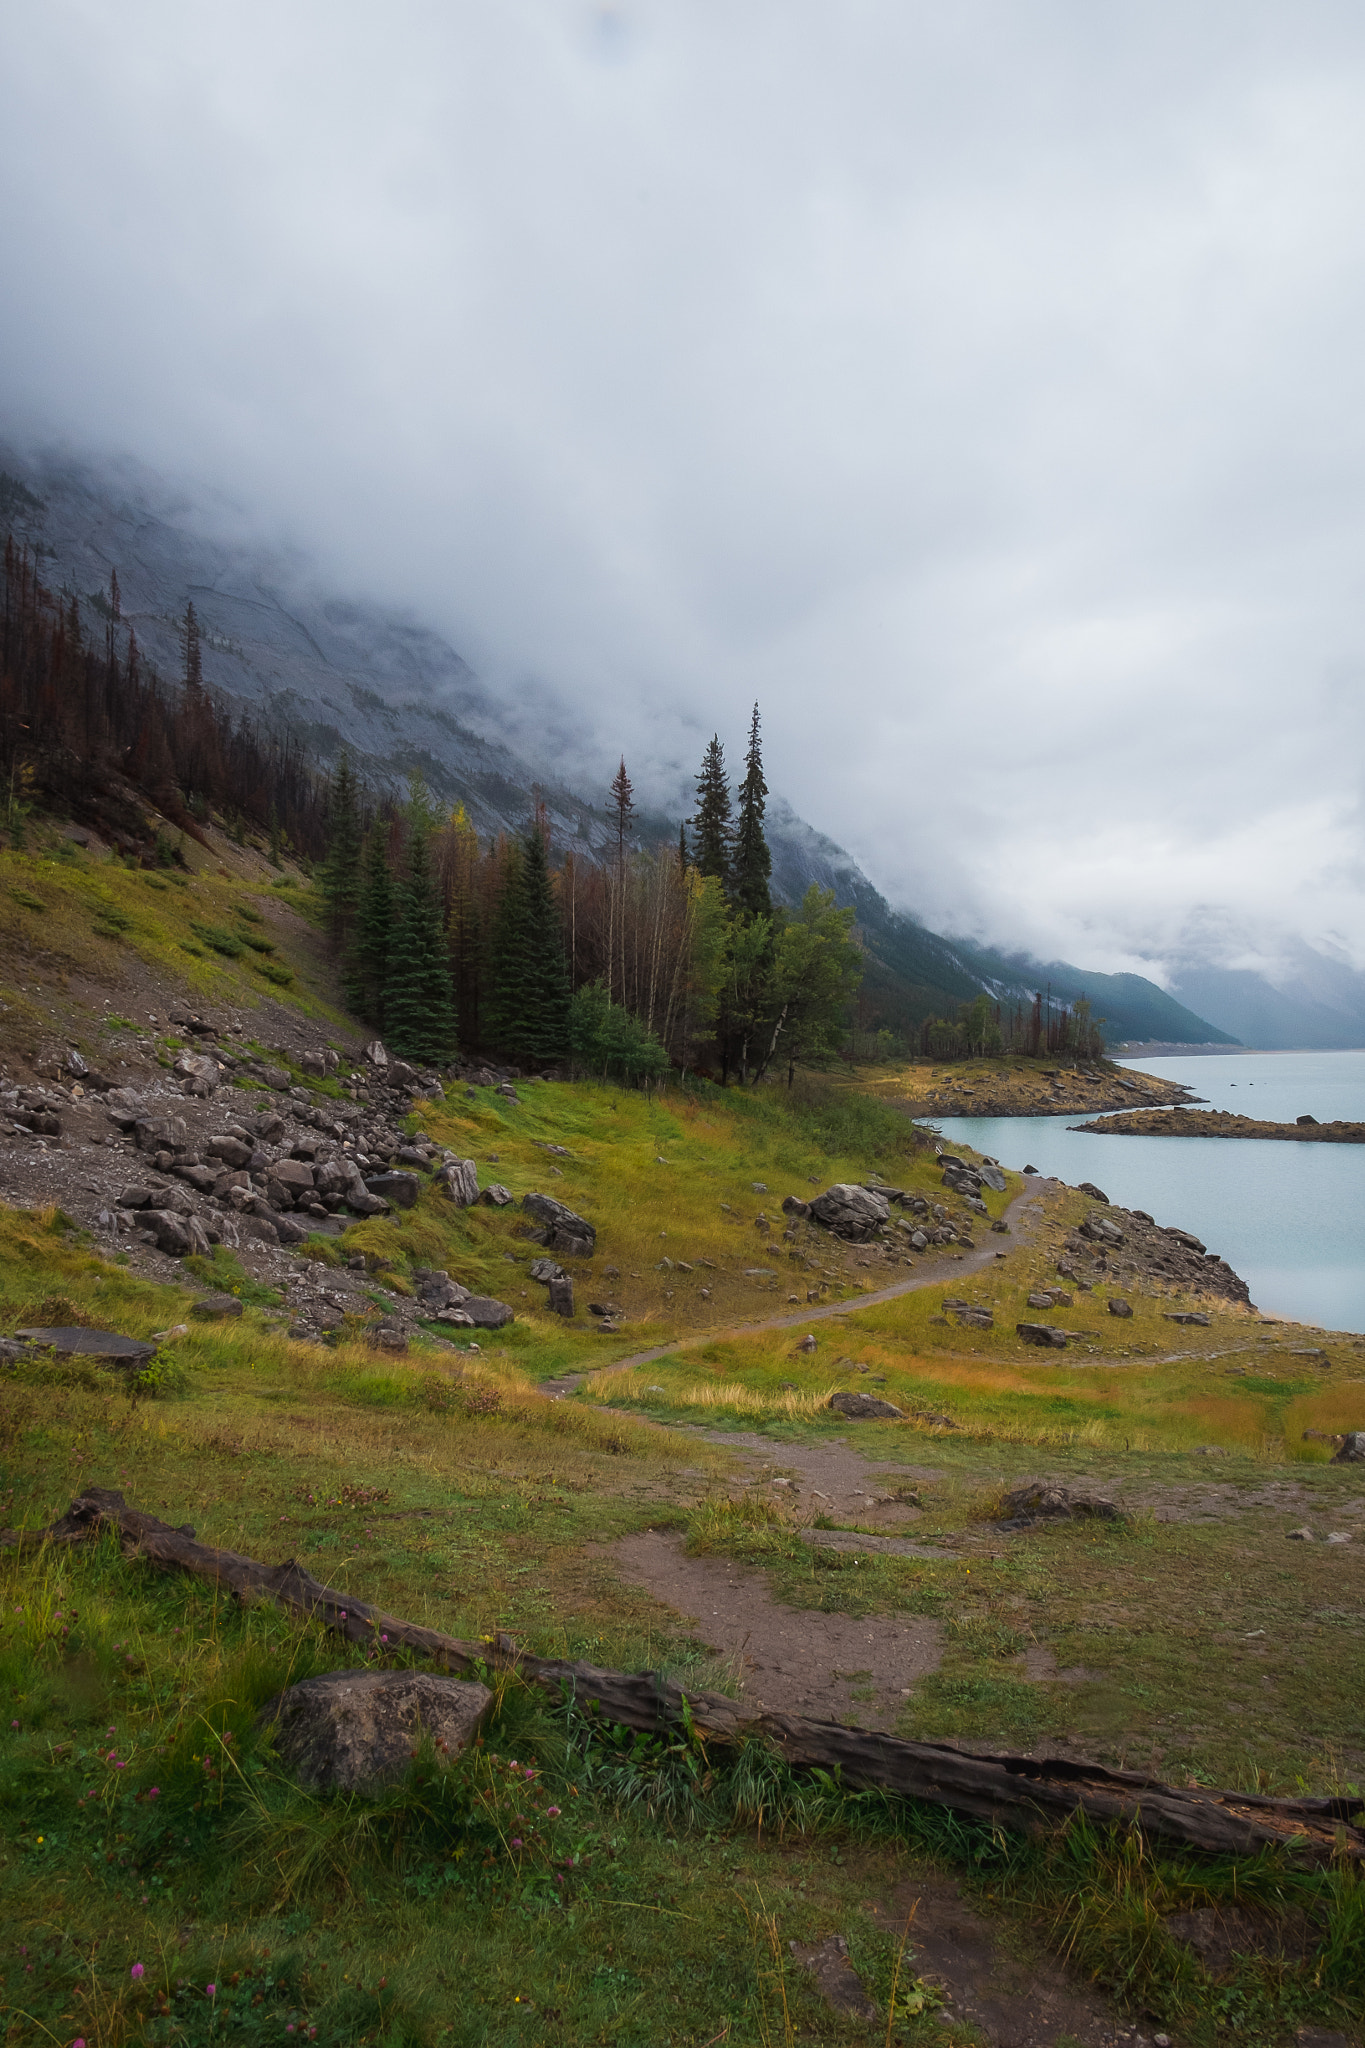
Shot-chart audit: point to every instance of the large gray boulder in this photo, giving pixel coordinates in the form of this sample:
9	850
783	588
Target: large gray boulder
863	1407
177	1235
561	1230
850	1211
197	1073
460	1179
436	1291
232	1151
356	1731
485	1313
1352	1450
1039	1500
104	1346
1045	1335
1101	1231
161	1134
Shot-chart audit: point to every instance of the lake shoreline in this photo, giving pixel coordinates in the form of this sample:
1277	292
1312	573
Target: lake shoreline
1219	1123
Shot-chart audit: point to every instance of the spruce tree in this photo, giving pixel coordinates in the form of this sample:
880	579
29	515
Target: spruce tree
419	1016
529	1013
753	863
711	828
623	804
368	962
339	881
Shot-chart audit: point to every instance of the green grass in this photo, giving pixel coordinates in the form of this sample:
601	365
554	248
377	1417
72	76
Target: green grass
442	1486
600	1887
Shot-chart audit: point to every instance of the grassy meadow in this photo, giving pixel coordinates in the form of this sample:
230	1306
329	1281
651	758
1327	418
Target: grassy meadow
628	1892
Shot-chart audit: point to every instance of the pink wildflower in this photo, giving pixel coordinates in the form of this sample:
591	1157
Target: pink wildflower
137	1973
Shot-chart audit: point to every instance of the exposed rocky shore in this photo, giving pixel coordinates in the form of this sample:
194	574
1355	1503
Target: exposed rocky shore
1027	1088
1222	1123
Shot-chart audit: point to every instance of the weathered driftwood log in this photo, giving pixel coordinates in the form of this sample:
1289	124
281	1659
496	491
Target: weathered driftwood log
1009	1791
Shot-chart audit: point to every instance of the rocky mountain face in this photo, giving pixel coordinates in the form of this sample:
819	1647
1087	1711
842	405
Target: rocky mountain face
340	672
343	672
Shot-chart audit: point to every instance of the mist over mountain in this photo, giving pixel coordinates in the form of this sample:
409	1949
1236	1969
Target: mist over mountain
344	672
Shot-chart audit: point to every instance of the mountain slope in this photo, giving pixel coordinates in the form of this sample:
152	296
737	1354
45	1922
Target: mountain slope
342	672
1133	1008
1311	1003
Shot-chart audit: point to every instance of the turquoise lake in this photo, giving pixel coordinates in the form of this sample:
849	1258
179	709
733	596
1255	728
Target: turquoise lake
1288	1217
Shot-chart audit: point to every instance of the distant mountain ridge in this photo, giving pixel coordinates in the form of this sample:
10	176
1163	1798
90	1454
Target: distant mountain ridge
345	673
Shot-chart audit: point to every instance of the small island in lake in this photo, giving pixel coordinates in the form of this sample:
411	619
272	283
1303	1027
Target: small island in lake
1221	1123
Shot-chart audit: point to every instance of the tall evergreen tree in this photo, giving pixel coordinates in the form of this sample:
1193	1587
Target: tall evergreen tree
419	1015
623	805
753	863
340	877
368	962
711	828
684	857
529	1011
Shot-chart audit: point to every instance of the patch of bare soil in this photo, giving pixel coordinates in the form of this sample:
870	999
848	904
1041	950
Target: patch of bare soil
831	1478
786	1659
1011	2002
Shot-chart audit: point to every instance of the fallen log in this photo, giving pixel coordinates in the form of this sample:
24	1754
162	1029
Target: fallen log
1006	1791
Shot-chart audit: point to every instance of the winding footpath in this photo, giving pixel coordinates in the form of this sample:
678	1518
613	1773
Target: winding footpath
1023	1215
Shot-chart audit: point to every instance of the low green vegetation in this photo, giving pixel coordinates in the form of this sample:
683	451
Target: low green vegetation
144	1818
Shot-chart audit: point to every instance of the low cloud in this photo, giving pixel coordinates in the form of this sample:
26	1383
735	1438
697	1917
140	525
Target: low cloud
979	388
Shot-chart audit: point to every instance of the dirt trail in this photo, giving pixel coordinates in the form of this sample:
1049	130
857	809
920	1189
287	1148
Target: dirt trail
834	1667
1022	1215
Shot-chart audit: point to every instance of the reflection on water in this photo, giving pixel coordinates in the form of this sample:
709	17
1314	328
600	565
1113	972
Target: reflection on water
1288	1217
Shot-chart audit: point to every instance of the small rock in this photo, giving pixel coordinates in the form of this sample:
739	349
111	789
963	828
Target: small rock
1038	1502
354	1731
215	1308
1338	1536
1042	1334
386	1337
1119	1307
859	1407
1352	1450
1300	1536
561	1229
561	1295
807	1343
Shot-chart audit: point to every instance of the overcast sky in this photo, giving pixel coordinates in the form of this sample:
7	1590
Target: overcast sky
979	386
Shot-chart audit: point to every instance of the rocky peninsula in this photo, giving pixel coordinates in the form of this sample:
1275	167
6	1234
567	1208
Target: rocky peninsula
1222	1123
1025	1087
